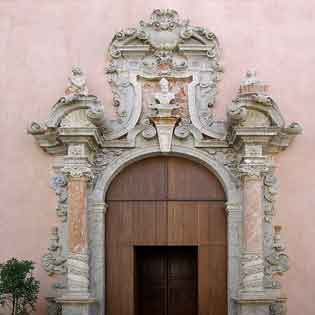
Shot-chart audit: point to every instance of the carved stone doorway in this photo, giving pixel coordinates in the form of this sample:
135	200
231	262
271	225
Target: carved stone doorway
163	74
172	202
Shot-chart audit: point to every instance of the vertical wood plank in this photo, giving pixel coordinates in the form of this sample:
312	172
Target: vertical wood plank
149	222
188	180
142	180
203	280
182	223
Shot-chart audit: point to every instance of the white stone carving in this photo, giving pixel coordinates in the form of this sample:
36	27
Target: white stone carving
252	272
164	101
277	262
54	262
78	171
59	185
77	82
78	273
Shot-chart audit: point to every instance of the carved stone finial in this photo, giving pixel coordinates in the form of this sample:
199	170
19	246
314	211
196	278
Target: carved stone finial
251	84
77	82
164	19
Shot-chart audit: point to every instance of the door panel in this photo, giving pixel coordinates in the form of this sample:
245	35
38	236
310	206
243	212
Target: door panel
182	223
182	281
142	180
167	280
188	180
152	281
212	280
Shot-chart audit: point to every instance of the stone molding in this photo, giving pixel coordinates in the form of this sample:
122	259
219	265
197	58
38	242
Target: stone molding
92	148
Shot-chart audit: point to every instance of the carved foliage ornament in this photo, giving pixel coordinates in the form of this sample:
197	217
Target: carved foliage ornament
59	185
54	262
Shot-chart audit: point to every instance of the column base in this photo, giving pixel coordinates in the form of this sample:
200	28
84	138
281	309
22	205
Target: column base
76	303
258	302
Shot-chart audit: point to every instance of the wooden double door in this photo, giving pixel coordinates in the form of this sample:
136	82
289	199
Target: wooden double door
164	210
166	280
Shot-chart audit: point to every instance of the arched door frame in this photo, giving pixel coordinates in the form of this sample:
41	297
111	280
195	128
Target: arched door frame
97	211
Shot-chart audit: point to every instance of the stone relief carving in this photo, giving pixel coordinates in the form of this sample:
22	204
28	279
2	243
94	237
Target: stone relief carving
183	130
277	262
271	188
54	262
104	157
153	53
76	119
78	171
252	271
278	308
53	308
253	107
78	272
59	185
149	131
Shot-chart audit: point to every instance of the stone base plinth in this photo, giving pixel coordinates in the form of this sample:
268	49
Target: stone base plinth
77	304
258	303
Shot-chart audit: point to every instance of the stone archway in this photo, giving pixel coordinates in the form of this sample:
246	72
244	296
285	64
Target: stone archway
233	208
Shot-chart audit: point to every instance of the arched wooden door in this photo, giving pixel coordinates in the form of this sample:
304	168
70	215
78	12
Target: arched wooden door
166	213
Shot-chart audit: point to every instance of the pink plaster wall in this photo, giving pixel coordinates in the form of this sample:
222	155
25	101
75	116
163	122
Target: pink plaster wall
41	39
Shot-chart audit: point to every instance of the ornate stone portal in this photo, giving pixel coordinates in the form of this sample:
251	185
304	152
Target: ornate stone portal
164	75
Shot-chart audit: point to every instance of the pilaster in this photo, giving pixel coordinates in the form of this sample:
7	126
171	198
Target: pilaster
77	298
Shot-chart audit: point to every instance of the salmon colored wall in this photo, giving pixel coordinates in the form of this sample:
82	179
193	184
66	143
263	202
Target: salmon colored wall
41	39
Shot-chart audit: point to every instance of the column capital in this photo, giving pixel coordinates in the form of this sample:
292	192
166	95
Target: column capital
76	162
253	169
99	207
78	172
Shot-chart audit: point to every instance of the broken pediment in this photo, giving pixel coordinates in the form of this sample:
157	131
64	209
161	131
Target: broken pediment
170	50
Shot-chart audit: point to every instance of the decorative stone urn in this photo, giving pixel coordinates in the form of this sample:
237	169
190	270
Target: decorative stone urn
163	75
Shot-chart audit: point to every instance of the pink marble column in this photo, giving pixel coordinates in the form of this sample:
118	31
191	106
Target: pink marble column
253	215
78	267
252	260
77	215
78	172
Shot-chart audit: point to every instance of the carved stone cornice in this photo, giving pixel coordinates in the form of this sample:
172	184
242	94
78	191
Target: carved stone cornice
255	117
68	120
